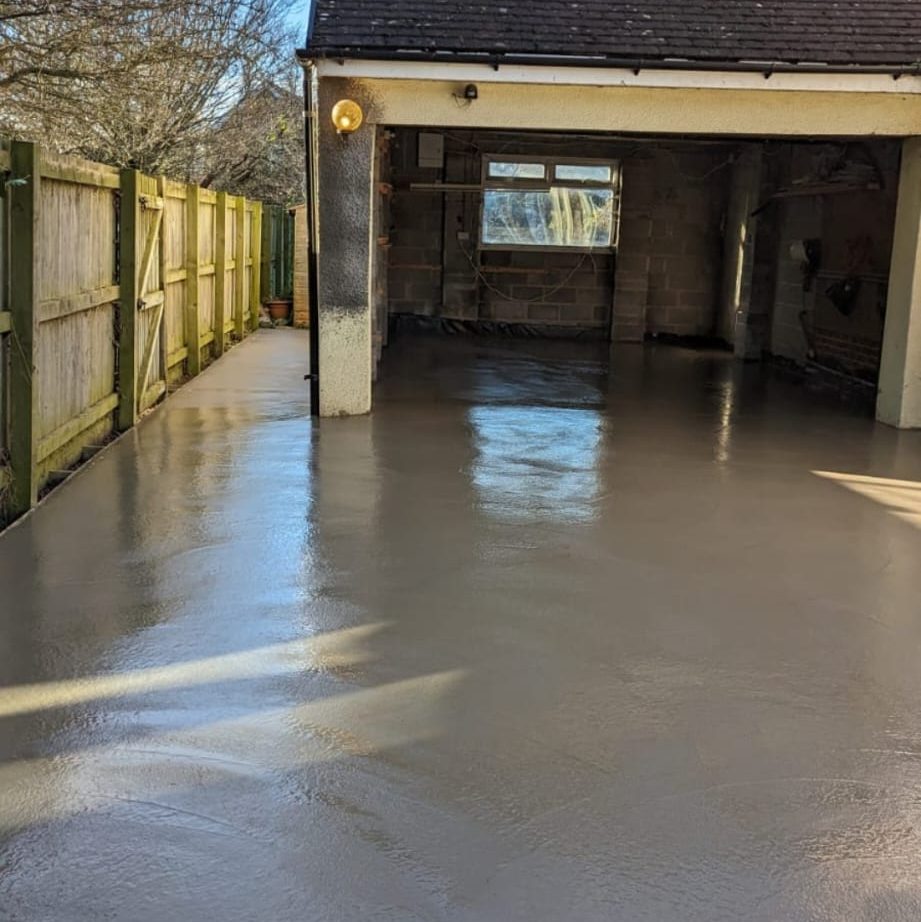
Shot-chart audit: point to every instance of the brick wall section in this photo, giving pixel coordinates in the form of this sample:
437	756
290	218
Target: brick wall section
667	266
301	296
859	355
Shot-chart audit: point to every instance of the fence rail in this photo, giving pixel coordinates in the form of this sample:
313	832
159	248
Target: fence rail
116	287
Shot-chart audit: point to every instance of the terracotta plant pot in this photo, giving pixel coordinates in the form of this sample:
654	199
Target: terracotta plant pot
278	309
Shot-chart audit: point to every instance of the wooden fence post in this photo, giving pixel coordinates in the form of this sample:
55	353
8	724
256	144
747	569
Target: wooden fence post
25	193
256	247
130	219
192	260
220	274
239	275
161	262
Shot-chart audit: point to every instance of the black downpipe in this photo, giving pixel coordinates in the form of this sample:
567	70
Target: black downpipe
313	288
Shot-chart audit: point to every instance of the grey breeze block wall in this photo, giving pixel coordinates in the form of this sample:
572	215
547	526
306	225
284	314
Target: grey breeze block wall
668	265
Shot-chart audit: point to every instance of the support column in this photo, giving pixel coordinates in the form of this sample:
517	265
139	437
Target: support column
631	275
346	168
899	396
738	322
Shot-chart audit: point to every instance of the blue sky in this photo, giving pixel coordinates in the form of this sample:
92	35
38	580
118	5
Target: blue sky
298	17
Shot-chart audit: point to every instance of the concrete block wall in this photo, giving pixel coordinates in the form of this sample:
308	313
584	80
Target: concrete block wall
415	254
688	200
666	274
562	289
460	283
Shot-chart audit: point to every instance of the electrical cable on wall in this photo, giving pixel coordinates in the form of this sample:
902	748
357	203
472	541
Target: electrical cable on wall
478	272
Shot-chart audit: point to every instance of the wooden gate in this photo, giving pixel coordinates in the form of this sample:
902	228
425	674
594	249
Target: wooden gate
189	267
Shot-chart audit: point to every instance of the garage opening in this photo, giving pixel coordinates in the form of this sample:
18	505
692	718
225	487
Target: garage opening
772	250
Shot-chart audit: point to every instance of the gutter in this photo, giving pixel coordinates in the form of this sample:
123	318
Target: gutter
495	60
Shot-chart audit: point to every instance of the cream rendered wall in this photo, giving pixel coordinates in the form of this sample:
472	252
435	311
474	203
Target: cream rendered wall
643	110
899	397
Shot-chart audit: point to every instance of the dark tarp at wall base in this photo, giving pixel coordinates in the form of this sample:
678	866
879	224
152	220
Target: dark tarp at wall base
419	323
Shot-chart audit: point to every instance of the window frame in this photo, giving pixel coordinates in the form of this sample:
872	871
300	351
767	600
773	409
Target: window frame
500	184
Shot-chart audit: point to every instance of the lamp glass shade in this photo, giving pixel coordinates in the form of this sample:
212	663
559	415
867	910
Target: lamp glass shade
347	116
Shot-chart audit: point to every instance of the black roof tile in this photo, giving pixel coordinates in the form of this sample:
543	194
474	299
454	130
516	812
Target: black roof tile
835	32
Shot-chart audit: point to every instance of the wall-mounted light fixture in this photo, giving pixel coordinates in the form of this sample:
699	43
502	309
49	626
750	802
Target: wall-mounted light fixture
347	116
466	96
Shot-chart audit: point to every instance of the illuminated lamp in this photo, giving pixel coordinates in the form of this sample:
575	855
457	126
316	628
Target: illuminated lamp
347	116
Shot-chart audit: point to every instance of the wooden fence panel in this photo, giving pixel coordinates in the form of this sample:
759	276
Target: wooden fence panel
268	275
247	263
230	249
174	233
75	353
239	279
119	286
151	317
207	235
276	277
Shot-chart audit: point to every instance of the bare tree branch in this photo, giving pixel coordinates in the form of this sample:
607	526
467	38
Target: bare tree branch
194	89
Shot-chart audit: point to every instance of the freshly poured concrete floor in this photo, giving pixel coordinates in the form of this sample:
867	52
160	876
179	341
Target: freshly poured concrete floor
535	641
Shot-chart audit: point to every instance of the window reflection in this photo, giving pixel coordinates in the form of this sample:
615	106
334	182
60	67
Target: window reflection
537	462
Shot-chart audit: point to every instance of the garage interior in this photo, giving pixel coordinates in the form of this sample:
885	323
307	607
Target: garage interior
772	250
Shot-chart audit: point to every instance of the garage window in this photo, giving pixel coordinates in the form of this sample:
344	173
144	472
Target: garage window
549	203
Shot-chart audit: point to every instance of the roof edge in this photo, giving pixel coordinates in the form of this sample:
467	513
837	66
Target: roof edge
496	60
311	23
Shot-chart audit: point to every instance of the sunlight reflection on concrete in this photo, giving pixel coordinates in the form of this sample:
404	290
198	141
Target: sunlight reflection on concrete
360	723
724	433
323	652
901	497
537	462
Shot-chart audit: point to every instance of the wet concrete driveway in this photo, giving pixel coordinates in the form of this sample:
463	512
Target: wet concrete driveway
533	642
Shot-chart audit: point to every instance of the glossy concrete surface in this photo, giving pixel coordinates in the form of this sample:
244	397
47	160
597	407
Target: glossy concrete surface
532	642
